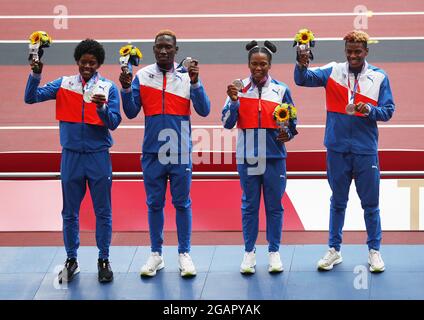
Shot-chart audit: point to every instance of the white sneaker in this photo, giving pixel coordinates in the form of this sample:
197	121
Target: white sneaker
331	258
186	265
375	261
249	262
275	264
154	263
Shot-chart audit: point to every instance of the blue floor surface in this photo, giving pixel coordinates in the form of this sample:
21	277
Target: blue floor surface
30	273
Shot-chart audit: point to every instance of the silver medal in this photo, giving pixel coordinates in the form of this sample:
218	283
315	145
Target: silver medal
238	84
88	95
187	62
350	109
90	92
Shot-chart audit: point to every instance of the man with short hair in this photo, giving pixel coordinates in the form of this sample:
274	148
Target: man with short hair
164	90
357	96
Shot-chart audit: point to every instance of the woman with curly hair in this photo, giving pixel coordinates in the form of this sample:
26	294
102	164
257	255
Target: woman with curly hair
87	107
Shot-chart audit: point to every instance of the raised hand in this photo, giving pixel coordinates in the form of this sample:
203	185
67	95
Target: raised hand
36	66
125	79
193	71
303	59
232	92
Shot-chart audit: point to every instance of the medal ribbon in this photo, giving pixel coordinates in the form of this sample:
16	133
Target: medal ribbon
353	92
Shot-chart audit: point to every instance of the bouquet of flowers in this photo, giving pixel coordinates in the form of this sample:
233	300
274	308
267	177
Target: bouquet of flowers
283	113
304	40
129	56
37	41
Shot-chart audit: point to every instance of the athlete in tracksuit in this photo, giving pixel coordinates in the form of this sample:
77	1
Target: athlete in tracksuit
352	140
163	90
85	139
261	152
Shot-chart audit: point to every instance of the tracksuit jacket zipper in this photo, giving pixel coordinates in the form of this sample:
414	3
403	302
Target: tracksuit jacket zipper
82	117
163	91
259	107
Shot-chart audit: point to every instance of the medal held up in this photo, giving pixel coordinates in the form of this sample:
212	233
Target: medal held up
129	56
304	40
238	84
186	63
37	41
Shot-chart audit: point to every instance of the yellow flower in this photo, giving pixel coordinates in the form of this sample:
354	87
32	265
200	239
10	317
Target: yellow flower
304	36
281	113
293	112
136	52
284	112
40	36
129	49
34	37
125	50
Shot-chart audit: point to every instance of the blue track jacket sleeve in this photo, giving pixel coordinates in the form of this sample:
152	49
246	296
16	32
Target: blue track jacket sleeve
230	113
292	122
34	94
110	113
200	99
312	77
386	106
131	101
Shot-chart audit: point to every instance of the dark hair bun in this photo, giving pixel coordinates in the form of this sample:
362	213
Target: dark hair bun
270	46
251	45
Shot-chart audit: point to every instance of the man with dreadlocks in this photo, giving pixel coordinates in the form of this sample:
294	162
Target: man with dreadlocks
164	90
261	164
357	96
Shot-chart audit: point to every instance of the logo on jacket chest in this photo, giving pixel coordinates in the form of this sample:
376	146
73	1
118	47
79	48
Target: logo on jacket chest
102	87
272	94
276	91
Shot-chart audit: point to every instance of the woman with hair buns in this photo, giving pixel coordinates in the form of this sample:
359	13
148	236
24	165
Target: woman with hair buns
261	152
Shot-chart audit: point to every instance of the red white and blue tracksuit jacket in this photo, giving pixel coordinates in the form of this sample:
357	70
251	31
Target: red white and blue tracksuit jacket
343	133
254	110
83	128
165	102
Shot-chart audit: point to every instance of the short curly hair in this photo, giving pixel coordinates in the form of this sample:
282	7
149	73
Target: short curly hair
357	36
166	32
90	46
